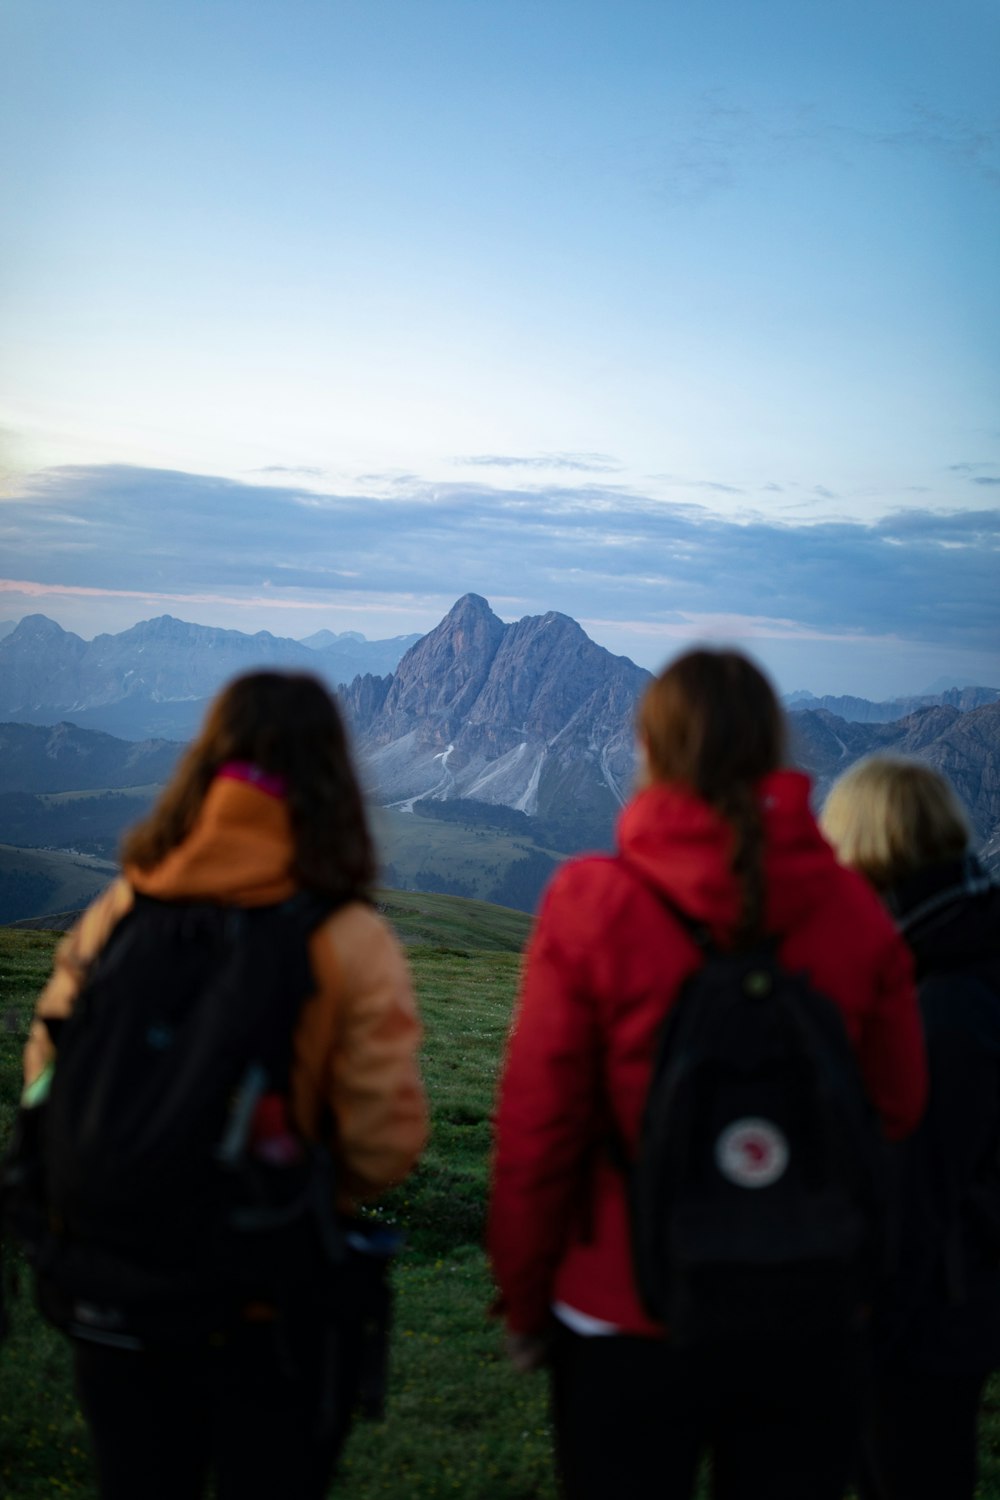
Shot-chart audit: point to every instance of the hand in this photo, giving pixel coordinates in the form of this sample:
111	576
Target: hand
526	1351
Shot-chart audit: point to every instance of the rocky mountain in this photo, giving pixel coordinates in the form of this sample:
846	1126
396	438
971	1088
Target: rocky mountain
863	711
964	746
532	716
968	753
156	678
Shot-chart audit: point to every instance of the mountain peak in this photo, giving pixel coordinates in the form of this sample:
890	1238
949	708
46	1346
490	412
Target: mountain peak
469	607
37	628
320	639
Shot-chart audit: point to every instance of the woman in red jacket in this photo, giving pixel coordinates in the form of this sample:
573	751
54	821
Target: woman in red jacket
720	831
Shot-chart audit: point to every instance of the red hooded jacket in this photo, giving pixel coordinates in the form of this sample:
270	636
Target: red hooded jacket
605	964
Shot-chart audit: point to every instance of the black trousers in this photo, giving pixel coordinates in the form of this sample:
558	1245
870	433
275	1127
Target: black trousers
925	1436
265	1421
635	1417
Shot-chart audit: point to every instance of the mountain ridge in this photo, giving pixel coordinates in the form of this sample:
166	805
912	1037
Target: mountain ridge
157	677
866	711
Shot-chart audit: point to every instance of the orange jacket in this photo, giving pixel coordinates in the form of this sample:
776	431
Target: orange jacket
358	1034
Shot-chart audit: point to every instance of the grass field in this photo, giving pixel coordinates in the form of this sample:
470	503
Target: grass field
460	1422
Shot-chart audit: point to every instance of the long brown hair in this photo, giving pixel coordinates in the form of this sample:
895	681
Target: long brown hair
712	722
288	725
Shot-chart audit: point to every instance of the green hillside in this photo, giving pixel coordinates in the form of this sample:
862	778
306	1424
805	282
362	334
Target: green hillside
418	852
33	881
474	855
420	918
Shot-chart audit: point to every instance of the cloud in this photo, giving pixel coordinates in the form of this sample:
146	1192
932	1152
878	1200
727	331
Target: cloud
307	473
30	589
972	527
588	463
966	142
729	141
717	486
590	549
976	473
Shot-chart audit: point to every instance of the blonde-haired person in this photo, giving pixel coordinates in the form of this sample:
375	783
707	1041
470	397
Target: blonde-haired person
264	804
900	824
724	832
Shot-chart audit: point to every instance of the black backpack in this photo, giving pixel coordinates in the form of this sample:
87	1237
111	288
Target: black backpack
756	1192
146	1197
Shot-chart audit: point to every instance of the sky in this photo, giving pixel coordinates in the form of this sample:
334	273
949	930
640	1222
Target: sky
680	319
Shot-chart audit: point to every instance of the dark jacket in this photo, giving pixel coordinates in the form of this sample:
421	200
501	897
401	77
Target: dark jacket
605	964
944	1311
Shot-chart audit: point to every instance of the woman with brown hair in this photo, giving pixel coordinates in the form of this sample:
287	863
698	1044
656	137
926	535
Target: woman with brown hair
265	804
720	833
899	823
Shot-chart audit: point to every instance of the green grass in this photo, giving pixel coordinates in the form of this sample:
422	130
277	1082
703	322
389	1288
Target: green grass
452	921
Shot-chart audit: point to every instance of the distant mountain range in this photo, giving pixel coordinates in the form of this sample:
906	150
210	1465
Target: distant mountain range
156	679
862	711
494	748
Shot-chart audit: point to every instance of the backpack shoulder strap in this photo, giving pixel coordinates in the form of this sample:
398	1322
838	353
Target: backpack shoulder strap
306	910
697	930
309	910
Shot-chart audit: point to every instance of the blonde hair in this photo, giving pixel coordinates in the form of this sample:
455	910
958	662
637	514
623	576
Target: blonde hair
888	817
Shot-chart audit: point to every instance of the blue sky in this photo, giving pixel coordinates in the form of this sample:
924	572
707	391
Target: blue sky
679	318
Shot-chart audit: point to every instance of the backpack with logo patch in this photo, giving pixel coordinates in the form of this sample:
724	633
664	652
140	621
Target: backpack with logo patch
756	1189
160	1188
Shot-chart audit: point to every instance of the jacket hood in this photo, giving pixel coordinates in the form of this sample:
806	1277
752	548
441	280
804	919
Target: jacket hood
683	847
239	851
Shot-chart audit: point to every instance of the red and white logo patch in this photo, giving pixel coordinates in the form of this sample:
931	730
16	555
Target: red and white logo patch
751	1153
